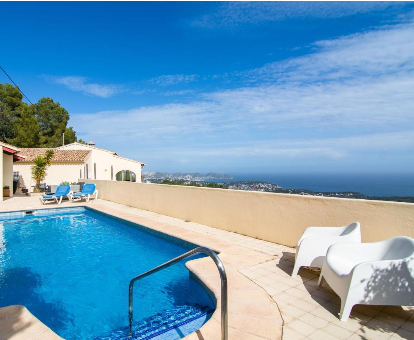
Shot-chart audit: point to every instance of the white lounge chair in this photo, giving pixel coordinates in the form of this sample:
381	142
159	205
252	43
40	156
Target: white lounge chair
378	273
315	241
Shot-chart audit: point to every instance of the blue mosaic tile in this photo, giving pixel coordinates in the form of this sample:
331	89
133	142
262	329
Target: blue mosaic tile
167	325
148	230
11	215
40	212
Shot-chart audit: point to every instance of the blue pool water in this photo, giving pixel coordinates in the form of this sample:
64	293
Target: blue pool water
71	269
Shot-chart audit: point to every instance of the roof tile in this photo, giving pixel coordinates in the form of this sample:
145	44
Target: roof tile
59	156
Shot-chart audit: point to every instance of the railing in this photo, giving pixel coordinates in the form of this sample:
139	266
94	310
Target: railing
219	264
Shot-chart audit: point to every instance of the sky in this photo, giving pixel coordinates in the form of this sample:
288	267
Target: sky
229	87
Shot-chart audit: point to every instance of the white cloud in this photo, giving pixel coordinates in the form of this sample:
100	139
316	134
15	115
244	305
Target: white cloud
173	79
80	84
233	14
178	93
351	96
385	51
340	147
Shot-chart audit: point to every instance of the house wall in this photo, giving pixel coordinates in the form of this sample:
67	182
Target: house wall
278	218
104	160
1	179
56	173
59	172
8	172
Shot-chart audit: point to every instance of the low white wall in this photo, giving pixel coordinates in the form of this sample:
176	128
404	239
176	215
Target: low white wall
278	218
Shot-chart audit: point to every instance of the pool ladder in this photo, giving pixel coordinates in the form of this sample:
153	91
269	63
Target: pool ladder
223	277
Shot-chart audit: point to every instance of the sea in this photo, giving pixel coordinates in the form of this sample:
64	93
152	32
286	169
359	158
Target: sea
368	184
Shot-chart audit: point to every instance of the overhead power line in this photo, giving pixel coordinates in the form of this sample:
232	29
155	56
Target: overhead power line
16	85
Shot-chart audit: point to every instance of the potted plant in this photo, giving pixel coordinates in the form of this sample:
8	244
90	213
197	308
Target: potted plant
40	167
6	191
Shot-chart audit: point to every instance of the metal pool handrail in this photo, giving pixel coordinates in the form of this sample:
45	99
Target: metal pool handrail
223	276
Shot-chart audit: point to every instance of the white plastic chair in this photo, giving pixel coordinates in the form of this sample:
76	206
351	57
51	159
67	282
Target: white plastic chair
378	273
315	241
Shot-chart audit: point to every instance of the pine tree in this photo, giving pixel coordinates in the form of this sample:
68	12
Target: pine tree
27	129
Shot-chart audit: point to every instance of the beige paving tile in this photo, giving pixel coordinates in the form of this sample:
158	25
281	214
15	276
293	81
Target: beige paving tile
381	326
367	310
302	327
261	327
314	321
336	331
292	311
305	305
271	290
290	334
323	313
321	335
389	318
402	333
399	311
356	336
408	325
296	293
372	334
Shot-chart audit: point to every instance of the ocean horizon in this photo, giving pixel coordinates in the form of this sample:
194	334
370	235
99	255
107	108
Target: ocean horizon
367	184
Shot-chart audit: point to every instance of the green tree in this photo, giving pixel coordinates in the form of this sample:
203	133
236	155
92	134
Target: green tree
40	167
70	135
11	96
18	121
6	123
10	108
53	119
27	129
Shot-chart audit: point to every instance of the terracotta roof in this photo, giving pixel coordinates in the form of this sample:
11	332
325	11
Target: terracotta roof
59	156
9	146
64	147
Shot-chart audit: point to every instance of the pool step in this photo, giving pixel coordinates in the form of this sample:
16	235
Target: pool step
172	324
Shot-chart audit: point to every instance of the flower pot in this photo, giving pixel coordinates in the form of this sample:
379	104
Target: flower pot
6	192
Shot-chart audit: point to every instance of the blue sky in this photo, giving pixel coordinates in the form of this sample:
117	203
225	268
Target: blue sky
240	87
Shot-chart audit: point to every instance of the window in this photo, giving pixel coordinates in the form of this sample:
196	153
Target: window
94	170
87	171
126	176
112	172
80	173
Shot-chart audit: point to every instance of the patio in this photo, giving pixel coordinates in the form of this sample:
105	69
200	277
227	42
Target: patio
264	301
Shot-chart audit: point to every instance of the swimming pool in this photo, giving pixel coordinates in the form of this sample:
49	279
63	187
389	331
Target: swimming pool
71	268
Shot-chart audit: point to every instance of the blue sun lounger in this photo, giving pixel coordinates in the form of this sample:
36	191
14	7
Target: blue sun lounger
61	191
87	191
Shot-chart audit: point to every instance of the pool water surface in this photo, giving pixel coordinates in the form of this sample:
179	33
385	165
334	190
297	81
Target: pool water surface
71	269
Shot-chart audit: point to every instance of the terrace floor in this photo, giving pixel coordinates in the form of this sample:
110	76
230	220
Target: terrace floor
264	301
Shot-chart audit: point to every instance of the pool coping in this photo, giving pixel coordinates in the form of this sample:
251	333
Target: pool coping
253	314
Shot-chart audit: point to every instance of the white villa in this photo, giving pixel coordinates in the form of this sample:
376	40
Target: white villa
75	161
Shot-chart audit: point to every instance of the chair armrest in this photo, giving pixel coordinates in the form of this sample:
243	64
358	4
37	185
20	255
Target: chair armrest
356	253
319	232
321	242
327	231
